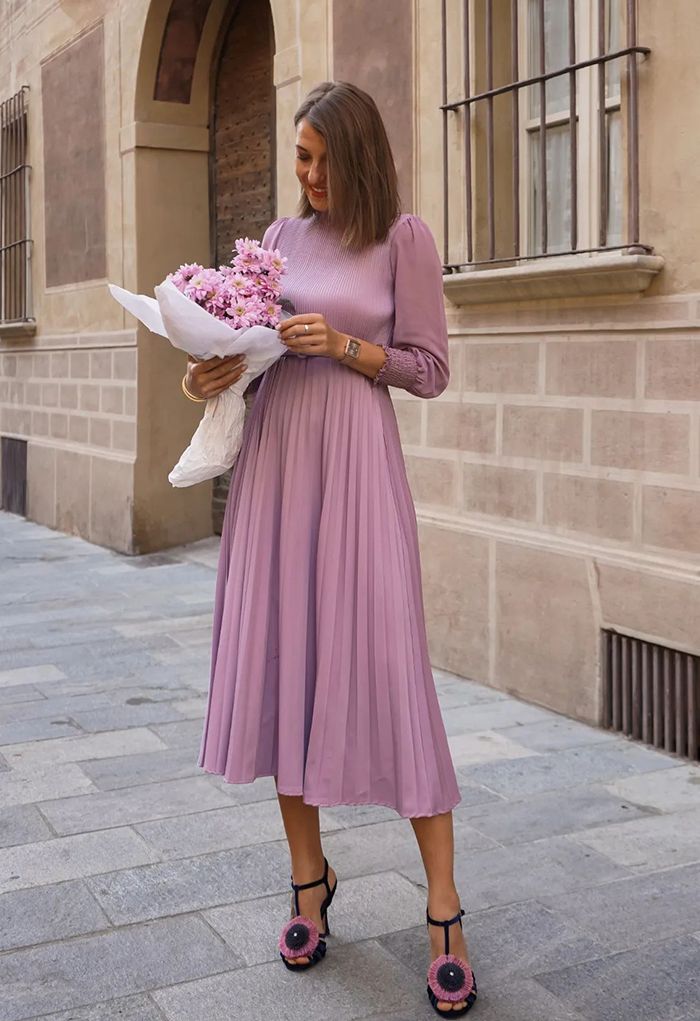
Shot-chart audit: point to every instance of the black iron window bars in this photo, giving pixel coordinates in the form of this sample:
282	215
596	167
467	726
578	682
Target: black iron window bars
488	243
15	245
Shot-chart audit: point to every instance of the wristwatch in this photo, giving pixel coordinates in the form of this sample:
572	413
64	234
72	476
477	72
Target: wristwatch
352	348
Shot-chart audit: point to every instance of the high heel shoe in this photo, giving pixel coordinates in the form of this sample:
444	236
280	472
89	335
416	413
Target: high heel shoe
300	937
450	979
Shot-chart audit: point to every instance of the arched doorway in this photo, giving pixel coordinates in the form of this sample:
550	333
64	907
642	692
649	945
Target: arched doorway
188	52
198	158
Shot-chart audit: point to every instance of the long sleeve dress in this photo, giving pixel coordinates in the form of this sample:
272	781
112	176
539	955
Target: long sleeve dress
319	670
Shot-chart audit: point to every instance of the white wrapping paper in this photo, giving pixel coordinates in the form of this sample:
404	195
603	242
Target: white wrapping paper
217	440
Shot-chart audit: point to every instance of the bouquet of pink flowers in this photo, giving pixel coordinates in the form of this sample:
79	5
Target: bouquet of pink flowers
243	294
230	310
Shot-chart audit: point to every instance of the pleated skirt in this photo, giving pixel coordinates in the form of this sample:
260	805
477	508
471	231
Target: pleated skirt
320	672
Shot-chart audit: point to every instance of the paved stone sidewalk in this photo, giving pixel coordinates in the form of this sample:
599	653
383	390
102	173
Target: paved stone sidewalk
135	887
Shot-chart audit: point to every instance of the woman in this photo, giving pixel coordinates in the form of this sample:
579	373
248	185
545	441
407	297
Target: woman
320	674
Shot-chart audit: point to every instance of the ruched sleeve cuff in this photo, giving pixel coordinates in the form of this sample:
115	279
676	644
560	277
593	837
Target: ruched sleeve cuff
399	369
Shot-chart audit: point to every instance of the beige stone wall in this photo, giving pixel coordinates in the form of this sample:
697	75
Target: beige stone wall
557	480
77	406
71	389
559	465
669	107
74	160
373	48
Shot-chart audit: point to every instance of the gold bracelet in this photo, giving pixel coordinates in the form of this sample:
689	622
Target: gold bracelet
188	394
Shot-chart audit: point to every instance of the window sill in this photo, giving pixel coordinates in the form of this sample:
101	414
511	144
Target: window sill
11	331
561	276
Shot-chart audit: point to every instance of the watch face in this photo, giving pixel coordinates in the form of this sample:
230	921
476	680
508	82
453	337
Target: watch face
353	348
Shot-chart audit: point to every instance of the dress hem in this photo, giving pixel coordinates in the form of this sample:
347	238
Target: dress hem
318	803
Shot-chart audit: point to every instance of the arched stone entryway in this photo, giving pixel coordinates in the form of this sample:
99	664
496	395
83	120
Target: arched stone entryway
172	212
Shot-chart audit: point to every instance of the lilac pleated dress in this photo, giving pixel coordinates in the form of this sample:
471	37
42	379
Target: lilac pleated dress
319	671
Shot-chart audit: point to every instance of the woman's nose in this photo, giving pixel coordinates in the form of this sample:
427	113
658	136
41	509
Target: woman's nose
315	176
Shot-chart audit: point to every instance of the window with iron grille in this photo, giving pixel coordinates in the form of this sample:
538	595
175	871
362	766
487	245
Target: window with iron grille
15	245
540	129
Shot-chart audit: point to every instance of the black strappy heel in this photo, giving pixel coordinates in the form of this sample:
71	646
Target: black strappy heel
450	979
300	936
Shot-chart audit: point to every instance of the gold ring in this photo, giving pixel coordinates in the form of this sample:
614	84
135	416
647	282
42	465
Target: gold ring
306	327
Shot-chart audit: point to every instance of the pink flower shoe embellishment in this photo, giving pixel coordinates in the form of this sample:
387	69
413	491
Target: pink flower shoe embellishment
299	938
450	978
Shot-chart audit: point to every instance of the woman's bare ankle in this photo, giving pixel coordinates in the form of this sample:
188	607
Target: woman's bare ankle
307	867
443	901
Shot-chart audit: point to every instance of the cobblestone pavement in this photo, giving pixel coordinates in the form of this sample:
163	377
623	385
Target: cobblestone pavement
135	887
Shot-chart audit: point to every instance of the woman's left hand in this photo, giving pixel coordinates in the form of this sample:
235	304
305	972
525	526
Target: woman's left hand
310	334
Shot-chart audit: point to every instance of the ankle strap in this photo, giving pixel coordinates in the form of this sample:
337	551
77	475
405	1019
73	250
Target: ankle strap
449	921
446	925
306	886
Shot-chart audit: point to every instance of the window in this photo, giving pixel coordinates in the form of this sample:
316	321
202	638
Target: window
15	246
544	137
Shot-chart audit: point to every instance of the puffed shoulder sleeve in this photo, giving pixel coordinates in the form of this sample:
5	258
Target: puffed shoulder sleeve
417	357
272	234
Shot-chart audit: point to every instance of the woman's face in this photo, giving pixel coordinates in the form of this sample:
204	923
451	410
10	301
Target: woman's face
310	165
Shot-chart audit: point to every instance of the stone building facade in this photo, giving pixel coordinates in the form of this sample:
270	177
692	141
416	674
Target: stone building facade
557	479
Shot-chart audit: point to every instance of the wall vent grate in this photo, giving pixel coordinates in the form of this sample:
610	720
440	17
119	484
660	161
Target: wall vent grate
651	693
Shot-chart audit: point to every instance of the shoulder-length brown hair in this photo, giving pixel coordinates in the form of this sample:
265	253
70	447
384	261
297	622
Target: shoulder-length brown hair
363	192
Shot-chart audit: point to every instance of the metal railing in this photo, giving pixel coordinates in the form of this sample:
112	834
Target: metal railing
470	104
15	245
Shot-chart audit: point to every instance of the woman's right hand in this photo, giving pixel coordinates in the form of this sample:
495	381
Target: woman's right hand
211	376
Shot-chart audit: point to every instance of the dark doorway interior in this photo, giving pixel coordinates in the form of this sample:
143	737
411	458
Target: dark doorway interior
243	147
14	475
